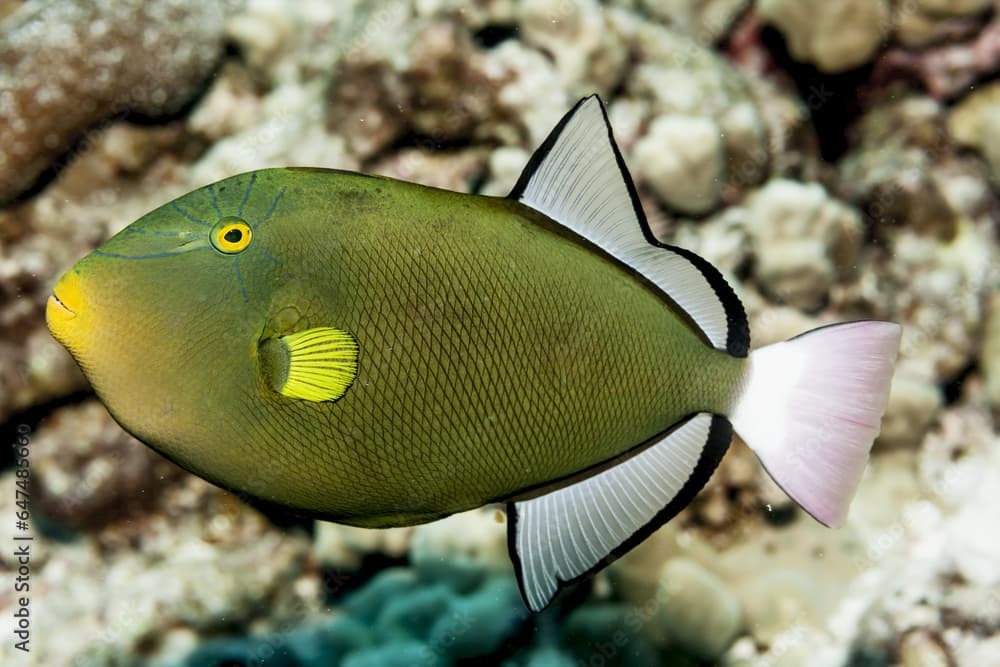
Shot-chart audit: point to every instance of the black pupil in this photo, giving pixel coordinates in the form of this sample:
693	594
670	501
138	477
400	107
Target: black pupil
233	236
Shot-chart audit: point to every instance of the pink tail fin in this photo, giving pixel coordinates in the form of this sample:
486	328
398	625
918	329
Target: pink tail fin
811	407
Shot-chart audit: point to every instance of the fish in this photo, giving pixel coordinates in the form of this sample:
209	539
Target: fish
379	353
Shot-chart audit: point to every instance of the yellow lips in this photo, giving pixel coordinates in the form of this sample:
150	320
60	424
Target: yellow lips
65	304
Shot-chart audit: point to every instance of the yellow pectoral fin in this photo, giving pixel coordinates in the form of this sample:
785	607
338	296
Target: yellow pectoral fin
315	365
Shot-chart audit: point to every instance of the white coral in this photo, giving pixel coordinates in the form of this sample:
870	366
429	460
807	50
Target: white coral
804	240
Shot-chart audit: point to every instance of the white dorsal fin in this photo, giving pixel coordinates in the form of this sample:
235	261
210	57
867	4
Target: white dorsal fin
564	535
578	178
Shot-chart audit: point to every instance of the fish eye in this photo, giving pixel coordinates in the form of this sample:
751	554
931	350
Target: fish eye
231	235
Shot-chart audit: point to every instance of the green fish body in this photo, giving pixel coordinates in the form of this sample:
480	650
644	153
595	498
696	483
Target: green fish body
380	353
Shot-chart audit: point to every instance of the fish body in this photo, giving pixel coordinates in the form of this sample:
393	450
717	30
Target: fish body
380	353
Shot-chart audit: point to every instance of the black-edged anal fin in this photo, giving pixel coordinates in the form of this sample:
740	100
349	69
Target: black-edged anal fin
578	178
565	535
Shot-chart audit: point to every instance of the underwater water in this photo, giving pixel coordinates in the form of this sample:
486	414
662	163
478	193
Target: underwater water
833	159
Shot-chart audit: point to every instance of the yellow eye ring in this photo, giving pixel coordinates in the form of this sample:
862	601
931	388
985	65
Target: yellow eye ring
231	235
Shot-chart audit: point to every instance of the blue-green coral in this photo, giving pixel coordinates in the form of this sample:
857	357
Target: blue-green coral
445	613
401	617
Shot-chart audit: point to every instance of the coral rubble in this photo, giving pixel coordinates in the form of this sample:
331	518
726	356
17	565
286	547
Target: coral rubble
71	65
124	105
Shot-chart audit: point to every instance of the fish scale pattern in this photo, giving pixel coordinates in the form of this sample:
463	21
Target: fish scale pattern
495	357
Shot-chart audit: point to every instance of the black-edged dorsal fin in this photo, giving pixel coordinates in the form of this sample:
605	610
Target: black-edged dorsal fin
577	178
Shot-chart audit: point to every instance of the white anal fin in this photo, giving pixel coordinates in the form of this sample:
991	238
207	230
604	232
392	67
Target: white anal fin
578	179
567	534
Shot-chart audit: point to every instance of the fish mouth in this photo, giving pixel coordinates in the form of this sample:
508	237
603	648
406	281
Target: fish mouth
55	301
66	301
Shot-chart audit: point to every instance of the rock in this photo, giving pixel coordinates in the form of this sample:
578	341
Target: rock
478	16
804	241
277	139
682	159
918	27
943	305
478	537
954	459
835	35
953	7
440	87
34	367
76	64
634	575
433	81
914	403
177	645
707	20
344	547
589	54
935	561
676	76
974	551
745	139
975	121
106	476
231	105
891	173
693	608
773	324
922	23
990	355
972	649
189	571
532	93
783	598
280	42
946	70
723	239
451	93
429	167
505	167
457	89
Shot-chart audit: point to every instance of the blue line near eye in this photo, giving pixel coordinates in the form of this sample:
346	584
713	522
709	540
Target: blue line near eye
188	215
239	278
274	204
268	256
159	233
246	195
151	256
215	203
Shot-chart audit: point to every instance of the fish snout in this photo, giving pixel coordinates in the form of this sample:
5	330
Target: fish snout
64	305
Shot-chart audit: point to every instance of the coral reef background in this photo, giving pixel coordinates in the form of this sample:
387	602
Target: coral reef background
836	159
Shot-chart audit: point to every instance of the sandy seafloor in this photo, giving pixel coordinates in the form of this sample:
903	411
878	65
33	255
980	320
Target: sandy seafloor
835	159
